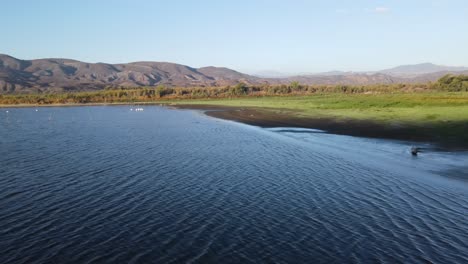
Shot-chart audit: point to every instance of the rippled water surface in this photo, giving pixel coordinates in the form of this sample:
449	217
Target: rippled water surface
106	184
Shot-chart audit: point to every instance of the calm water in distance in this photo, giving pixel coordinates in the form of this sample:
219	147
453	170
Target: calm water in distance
106	184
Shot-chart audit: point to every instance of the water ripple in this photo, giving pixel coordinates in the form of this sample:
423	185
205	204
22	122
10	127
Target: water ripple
104	184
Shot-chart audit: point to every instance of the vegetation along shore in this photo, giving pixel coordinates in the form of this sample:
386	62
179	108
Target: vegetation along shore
432	112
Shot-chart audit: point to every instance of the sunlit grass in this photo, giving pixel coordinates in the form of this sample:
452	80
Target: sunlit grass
416	107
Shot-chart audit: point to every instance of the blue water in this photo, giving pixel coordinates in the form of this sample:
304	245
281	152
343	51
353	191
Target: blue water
106	184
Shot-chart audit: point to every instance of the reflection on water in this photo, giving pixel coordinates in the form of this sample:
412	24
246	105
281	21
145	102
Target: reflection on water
106	184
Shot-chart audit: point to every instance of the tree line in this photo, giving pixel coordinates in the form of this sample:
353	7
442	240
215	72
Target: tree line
450	83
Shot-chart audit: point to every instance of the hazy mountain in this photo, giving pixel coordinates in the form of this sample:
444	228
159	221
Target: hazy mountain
422	68
370	78
277	74
70	75
334	73
404	71
430	77
272	74
346	79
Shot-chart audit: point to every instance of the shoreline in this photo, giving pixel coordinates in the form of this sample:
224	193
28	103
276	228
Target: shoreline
80	104
268	118
275	117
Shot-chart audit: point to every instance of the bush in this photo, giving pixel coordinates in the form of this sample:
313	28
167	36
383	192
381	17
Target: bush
453	83
239	89
160	91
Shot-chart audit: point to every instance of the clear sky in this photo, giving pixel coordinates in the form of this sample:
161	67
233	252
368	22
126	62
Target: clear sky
247	35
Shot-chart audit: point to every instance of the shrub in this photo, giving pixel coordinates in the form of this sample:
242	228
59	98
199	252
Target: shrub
239	89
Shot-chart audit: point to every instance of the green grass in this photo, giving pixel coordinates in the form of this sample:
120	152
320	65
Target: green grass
429	115
402	107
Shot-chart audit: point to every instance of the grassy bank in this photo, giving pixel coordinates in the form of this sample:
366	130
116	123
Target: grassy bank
415	107
432	112
438	117
430	117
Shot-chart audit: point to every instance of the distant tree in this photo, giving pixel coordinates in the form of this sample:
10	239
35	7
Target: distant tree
295	85
160	90
239	89
453	83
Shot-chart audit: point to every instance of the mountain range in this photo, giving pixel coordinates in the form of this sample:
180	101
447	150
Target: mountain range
57	75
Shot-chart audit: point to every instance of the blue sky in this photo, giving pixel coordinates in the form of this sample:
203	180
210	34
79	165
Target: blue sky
247	35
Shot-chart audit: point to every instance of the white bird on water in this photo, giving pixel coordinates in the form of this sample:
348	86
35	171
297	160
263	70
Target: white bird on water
7	111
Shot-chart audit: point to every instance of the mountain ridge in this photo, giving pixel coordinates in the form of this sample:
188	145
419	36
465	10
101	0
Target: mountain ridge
421	68
61	74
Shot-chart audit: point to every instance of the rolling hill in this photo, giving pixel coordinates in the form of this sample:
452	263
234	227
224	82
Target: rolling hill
58	75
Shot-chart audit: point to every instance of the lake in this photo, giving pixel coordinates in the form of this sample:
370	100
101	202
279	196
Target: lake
105	184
